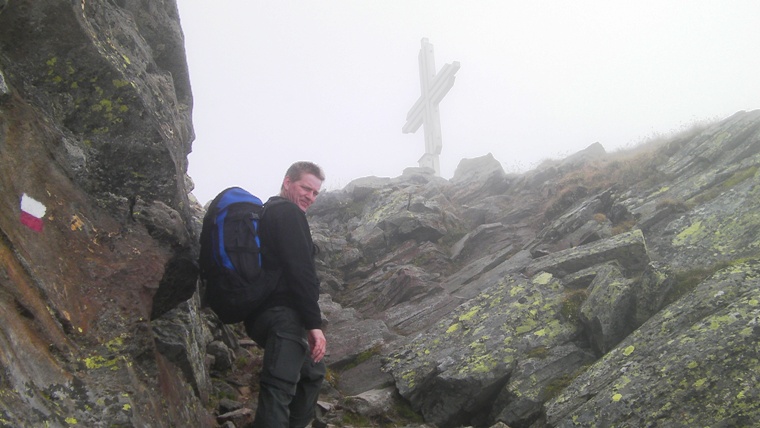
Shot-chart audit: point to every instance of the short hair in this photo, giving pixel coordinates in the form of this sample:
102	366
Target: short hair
298	169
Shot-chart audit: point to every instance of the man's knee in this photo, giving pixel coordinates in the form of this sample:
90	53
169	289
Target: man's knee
283	361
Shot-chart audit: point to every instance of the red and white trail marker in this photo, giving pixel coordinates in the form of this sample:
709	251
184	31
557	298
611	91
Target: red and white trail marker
32	213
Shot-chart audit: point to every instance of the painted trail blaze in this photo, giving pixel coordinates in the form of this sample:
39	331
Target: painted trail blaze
32	212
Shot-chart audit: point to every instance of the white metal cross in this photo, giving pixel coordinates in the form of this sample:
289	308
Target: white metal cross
425	111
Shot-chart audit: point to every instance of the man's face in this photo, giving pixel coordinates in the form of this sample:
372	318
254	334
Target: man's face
302	192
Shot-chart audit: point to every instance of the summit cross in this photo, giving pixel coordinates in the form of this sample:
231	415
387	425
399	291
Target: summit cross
425	111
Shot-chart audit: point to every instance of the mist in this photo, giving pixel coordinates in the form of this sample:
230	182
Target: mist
332	82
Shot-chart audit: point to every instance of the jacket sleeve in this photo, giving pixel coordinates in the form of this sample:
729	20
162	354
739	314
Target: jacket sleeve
291	242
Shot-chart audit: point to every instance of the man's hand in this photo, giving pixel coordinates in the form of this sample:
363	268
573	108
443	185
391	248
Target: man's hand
317	344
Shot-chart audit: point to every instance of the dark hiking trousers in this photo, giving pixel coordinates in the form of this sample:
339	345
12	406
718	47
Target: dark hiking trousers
290	379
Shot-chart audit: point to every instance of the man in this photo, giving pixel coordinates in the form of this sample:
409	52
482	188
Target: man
289	324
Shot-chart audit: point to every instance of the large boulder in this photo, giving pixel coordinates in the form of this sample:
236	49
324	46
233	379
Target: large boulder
475	179
453	372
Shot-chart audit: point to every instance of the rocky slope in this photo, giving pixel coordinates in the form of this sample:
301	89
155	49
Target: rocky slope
602	290
605	289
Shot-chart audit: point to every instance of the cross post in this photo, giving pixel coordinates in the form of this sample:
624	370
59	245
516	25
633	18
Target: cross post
425	111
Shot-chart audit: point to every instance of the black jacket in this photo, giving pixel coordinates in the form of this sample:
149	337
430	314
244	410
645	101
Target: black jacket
287	245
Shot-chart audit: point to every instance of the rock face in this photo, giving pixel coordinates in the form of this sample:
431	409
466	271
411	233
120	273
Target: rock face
600	290
96	224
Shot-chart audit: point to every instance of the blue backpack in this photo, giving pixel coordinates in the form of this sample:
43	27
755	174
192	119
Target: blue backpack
230	256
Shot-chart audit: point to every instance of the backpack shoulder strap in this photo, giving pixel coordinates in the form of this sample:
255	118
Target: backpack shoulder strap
275	200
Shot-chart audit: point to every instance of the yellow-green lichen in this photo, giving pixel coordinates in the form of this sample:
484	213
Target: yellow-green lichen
469	314
542	278
454	327
694	232
409	378
716	322
118	83
528	326
480	364
628	350
517	289
478	347
116	343
97	362
624	381
661	190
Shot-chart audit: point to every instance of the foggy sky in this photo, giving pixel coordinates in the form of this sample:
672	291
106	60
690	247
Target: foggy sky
332	81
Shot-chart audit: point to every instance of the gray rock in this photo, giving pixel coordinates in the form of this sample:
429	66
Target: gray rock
674	368
628	249
376	402
223	356
609	310
365	376
5	90
348	335
182	338
242	417
535	379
